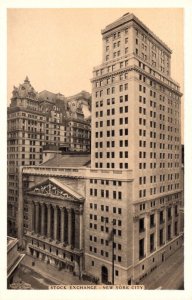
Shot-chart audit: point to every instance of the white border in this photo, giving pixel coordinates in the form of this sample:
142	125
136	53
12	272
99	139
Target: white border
69	295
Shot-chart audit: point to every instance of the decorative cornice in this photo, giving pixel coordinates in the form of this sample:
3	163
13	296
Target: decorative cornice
139	70
130	20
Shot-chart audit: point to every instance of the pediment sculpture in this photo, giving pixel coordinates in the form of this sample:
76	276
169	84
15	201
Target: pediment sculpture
50	189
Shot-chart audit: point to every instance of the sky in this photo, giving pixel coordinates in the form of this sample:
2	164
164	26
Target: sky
58	48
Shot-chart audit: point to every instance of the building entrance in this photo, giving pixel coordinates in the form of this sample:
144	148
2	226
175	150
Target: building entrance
104	275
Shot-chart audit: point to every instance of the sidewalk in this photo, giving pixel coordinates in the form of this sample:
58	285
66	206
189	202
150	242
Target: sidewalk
169	275
54	275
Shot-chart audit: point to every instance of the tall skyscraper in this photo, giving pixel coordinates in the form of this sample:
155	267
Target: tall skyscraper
135	187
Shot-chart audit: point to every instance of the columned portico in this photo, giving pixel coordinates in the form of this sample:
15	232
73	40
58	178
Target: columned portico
55	232
59	223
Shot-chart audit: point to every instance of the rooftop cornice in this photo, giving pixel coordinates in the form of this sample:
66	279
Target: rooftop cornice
23	109
136	68
125	19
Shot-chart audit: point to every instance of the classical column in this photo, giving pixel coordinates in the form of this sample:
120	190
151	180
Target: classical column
42	219
62	224
32	216
81	227
69	225
179	219
147	242
135	239
165	231
48	220
173	221
157	228
80	265
55	223
36	217
76	241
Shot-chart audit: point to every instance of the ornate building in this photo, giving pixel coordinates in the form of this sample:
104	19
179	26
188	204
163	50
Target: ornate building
130	195
37	122
51	211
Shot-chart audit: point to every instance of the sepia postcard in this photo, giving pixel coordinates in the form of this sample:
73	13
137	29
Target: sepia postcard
96	195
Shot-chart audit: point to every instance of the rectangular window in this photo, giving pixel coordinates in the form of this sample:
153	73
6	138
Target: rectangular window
176	231
141	225
152	242
176	210
120	110
161	237
169	232
152	221
141	249
126	97
169	213
161	217
120	132
121	99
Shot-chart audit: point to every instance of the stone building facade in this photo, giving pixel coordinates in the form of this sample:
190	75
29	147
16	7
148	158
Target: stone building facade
51	220
37	122
130	194
136	156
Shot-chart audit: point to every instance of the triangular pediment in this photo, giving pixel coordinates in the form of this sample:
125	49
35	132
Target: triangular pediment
53	187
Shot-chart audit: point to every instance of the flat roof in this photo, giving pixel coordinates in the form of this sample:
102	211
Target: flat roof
68	160
128	17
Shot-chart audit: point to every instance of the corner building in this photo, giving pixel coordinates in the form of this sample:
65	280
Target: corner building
136	156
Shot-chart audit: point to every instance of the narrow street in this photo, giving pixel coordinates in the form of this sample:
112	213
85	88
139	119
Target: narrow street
31	277
41	275
168	276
